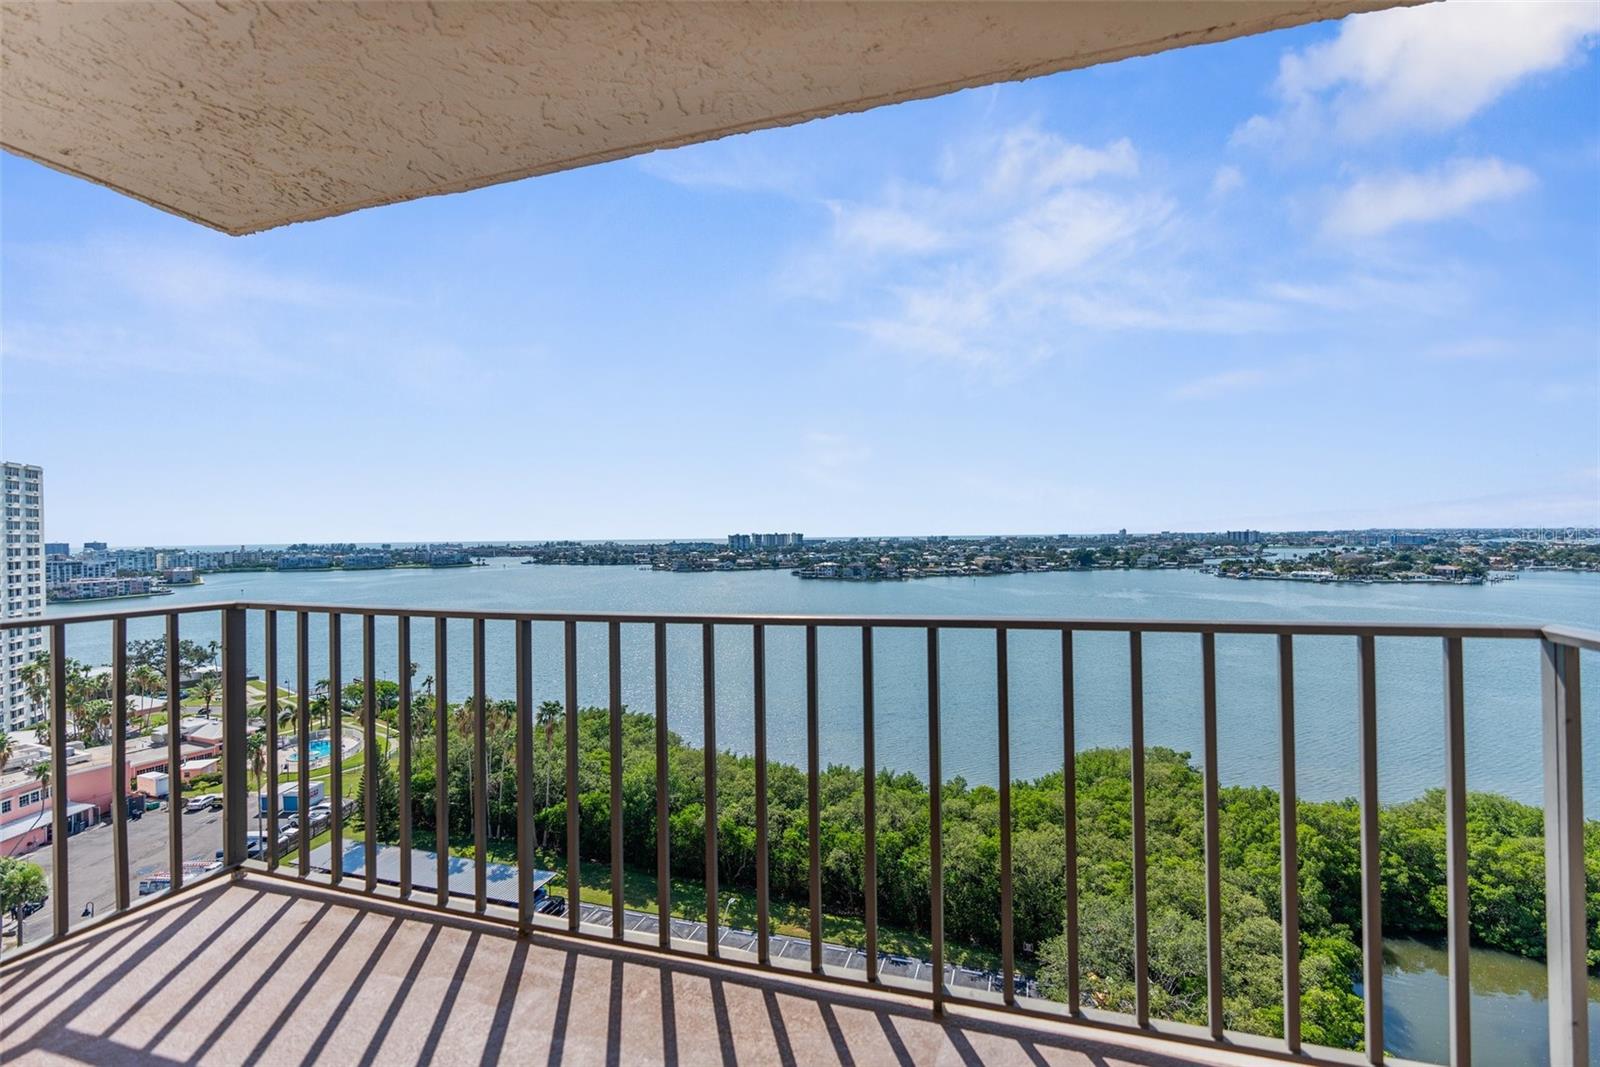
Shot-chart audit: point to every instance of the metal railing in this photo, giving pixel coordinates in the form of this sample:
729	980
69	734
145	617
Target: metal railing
1562	774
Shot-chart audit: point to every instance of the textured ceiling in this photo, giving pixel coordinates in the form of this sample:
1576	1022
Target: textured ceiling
248	115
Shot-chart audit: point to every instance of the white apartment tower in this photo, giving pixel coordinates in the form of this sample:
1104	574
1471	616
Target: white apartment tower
22	590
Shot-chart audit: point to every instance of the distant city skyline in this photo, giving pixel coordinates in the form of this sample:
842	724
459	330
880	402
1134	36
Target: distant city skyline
1257	537
1336	277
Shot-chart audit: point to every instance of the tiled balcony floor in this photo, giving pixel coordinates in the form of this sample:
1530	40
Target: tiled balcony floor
262	971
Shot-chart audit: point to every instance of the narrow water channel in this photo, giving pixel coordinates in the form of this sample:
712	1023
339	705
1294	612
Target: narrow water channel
1509	1016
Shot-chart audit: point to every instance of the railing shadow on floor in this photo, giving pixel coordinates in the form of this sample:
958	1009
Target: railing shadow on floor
797	1019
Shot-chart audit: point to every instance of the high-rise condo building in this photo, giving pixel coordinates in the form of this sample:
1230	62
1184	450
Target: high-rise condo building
22	591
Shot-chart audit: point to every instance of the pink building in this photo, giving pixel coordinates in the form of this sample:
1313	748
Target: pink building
25	809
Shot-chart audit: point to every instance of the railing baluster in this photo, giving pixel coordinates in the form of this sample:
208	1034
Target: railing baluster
1288	846
1141	918
1371	871
441	760
1458	924
869	804
480	774
369	759
302	740
614	664
1002	675
663	797
235	730
758	656
335	721
1565	915
708	654
174	760
935	828
574	855
1213	839
1069	802
59	851
119	760
269	673
402	640
814	799
525	864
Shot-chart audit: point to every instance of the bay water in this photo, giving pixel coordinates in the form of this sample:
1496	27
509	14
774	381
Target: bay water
1502	680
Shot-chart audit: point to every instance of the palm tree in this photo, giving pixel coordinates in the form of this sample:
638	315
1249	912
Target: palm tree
146	680
255	750
91	719
5	751
206	689
41	774
550	713
35	678
319	699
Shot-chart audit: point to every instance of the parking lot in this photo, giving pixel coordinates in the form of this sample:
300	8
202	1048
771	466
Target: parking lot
798	949
501	888
90	880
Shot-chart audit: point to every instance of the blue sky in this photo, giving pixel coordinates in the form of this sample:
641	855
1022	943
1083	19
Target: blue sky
1345	275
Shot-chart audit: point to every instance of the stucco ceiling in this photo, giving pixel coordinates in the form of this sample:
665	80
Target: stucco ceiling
247	115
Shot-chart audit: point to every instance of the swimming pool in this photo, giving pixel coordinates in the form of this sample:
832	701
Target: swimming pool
319	750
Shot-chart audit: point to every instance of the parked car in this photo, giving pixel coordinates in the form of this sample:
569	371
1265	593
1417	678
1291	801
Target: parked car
208	802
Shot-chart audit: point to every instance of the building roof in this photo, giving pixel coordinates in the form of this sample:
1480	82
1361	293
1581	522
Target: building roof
35	821
248	115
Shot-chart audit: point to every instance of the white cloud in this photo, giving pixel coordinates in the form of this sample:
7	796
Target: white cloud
1019	244
1424	68
188	277
1214	385
1028	160
1226	180
740	163
1435	286
1070	228
1374	206
884	228
1472	348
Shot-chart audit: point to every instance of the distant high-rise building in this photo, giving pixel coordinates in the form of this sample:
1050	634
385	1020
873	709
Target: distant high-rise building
1243	537
94	546
745	542
57	548
22	591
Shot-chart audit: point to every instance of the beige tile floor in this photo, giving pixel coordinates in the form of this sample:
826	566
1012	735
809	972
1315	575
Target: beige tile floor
260	971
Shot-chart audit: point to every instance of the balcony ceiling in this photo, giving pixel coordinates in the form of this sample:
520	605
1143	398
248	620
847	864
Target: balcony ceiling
248	115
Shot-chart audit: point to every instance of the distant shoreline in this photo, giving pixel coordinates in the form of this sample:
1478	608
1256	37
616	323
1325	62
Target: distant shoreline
168	591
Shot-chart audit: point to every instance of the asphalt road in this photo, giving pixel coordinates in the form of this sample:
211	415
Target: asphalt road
796	948
90	877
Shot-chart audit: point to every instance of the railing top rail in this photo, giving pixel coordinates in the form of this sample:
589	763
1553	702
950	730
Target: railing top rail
1573	637
24	622
1320	628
